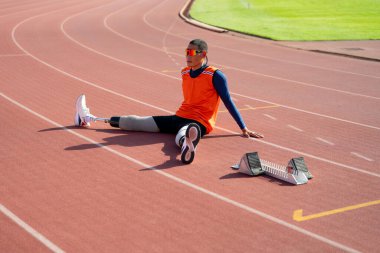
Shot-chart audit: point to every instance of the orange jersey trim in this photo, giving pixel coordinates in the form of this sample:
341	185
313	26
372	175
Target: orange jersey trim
201	101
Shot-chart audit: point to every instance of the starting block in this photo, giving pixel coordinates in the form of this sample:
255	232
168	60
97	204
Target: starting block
295	173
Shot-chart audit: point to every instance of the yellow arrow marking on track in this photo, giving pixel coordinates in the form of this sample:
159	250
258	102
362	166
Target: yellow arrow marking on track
297	214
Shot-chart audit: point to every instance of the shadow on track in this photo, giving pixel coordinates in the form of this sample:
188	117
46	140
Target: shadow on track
131	139
135	139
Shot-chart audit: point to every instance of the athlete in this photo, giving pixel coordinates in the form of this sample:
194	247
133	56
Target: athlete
203	87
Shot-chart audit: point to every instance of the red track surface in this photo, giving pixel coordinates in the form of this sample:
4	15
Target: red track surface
104	190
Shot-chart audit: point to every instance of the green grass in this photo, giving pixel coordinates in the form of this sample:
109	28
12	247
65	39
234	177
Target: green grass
304	20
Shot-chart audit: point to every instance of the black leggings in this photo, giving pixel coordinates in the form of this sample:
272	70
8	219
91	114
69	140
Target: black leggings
172	124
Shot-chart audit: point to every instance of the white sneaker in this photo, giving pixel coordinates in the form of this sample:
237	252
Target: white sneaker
82	114
192	137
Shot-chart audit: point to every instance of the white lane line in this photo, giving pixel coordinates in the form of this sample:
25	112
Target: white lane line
300	64
325	141
308	112
269	116
187	183
295	128
105	23
362	156
299	82
29	229
164	43
158	108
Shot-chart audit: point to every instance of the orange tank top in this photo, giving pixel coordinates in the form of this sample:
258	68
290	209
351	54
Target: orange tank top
201	101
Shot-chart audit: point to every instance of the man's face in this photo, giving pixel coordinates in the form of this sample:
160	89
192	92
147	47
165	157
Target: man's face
194	61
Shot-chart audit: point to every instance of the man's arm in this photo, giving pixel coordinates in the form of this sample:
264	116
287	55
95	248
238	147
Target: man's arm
220	84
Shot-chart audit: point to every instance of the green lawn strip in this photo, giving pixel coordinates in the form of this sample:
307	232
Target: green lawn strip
294	19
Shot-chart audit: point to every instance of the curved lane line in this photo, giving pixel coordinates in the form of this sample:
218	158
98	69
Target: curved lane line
29	229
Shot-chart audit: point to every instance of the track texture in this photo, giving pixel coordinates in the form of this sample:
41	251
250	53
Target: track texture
105	190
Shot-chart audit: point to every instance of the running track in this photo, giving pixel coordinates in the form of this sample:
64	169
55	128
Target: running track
102	190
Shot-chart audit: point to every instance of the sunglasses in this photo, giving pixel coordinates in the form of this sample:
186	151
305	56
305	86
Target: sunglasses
192	52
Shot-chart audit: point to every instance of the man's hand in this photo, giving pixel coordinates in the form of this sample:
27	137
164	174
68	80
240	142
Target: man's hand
248	133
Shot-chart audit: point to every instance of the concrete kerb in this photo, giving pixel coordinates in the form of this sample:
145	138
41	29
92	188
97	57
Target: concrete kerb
184	14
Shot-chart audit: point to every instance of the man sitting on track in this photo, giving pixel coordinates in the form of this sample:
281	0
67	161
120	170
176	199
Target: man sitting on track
203	86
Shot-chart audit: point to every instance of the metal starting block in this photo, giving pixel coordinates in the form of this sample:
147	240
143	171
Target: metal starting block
295	173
